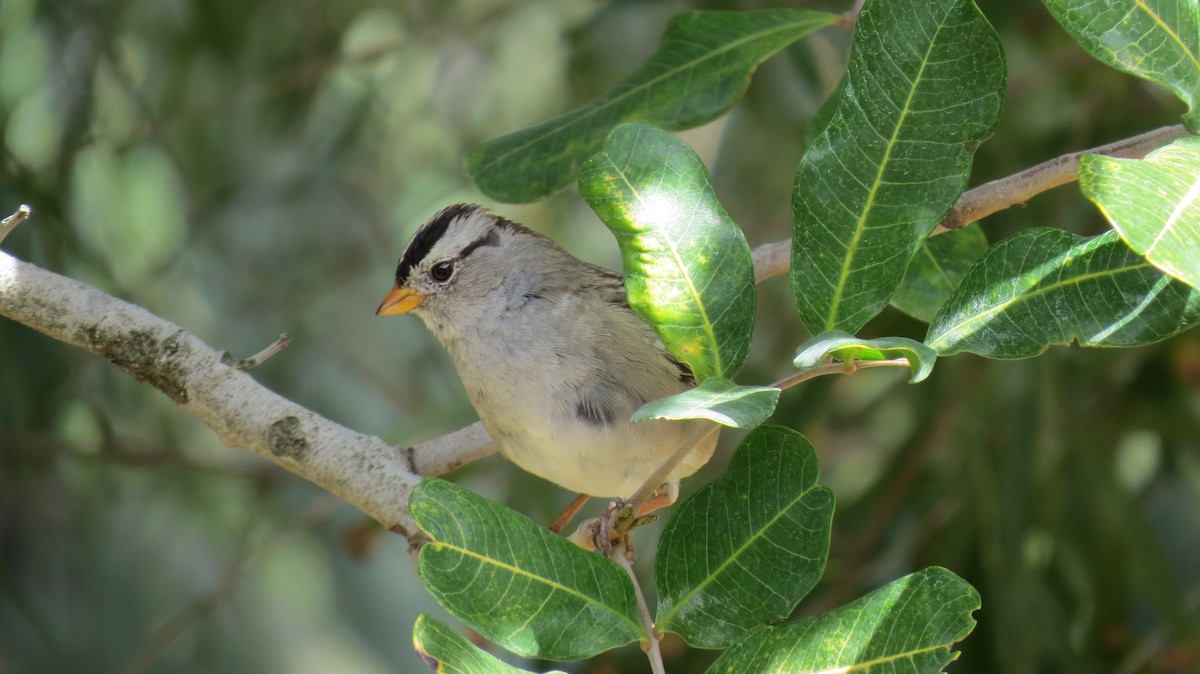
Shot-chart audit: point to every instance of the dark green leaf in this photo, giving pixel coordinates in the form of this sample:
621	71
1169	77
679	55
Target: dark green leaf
448	652
1153	203
845	347
937	269
524	588
688	270
904	627
1156	40
718	400
1045	286
923	89
700	70
745	549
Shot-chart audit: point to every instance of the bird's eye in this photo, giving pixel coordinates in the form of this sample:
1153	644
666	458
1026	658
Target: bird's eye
441	271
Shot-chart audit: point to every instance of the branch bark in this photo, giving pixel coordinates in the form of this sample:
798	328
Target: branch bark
365	471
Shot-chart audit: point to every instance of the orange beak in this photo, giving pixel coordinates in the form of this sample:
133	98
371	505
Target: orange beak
400	301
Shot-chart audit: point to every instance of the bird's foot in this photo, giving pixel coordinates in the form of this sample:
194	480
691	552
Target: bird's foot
610	527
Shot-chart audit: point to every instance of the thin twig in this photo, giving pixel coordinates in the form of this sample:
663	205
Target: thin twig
10	223
773	259
273	348
622	554
988	198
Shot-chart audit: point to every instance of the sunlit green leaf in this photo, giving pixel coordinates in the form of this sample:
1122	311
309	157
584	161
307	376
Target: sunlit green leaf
745	549
1156	40
937	269
688	270
516	583
905	627
1153	203
448	652
718	400
700	70
1045	286
923	89
845	347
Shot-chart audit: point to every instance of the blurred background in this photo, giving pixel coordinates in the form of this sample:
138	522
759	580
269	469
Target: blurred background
246	169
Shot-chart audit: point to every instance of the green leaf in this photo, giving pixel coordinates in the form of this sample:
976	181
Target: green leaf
448	652
1045	286
700	70
745	549
923	89
904	627
1153	203
688	269
718	400
937	269
845	347
520	586
1156	40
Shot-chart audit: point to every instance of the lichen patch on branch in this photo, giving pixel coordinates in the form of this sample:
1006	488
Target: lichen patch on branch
144	355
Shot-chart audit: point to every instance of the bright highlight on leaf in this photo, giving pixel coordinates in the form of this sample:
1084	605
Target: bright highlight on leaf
1045	287
905	627
745	549
700	70
1153	203
522	587
845	347
448	652
923	89
688	269
718	400
1156	40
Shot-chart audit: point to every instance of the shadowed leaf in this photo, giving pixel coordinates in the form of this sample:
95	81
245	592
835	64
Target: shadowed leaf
700	70
905	627
1044	287
448	652
937	269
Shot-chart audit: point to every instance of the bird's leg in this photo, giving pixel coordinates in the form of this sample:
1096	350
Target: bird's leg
619	518
662	497
561	521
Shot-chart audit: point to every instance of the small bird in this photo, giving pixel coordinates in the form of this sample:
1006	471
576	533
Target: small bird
549	352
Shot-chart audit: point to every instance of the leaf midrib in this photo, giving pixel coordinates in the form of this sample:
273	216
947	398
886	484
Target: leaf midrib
555	585
860	226
712	576
1026	296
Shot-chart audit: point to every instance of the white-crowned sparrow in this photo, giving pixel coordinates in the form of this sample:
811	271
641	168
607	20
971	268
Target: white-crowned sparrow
549	352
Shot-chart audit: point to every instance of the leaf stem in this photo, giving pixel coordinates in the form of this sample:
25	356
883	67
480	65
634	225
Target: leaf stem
622	554
836	367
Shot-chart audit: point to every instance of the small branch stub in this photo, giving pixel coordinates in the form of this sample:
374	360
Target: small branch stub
257	359
10	223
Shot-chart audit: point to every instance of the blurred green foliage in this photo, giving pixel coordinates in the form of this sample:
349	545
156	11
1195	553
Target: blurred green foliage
245	169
